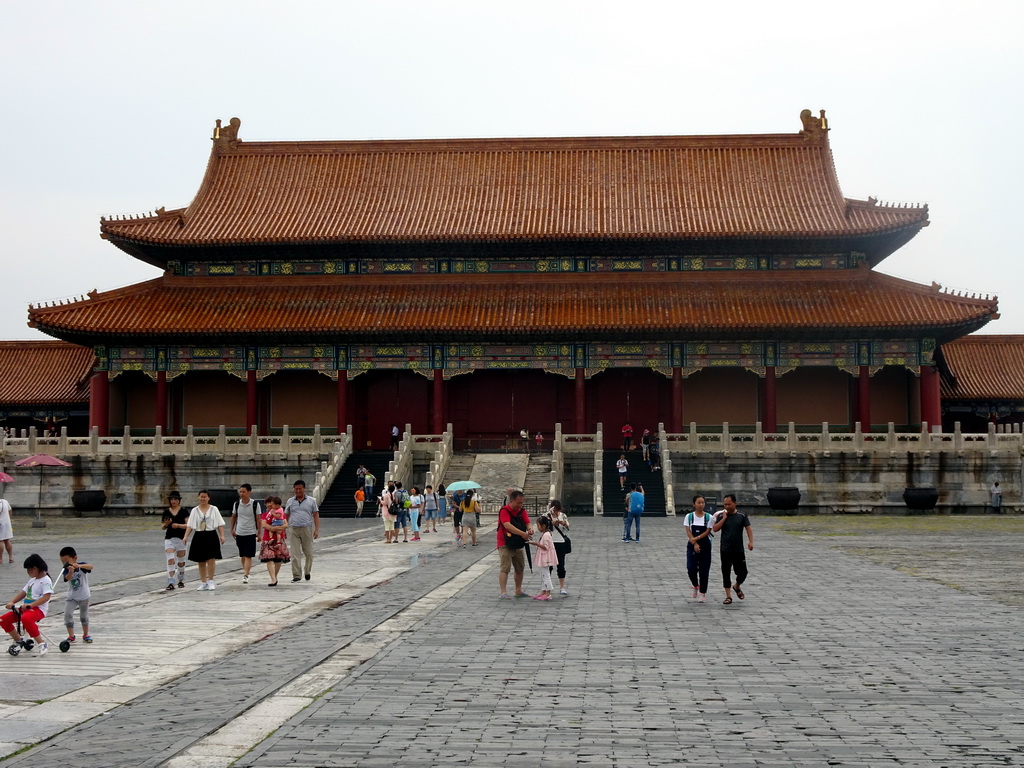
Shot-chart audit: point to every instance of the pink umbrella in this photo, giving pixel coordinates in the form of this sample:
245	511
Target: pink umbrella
40	460
5	478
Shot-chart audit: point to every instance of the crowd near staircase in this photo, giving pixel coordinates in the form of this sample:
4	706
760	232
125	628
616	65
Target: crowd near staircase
339	502
614	497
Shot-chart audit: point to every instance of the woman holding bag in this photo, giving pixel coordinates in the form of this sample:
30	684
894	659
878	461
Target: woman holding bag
563	544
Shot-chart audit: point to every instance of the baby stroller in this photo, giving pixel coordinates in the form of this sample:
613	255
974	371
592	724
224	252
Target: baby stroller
27	643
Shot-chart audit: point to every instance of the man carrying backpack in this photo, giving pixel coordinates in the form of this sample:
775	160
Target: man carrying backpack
634	510
514	530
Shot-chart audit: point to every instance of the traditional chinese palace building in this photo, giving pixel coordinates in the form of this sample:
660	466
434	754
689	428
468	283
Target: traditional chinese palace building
499	284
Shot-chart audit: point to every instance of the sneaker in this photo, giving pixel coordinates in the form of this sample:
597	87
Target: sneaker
42	648
563	591
307	577
181	585
245	578
700	599
624	539
202	587
695	591
170	588
212	586
296	579
72	639
86	638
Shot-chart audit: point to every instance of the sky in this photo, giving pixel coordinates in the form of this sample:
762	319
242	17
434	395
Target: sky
108	107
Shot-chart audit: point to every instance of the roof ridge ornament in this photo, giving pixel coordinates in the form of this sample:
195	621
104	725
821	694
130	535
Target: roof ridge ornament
814	128
226	136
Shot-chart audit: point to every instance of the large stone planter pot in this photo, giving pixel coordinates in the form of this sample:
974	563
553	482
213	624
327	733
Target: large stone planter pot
86	502
784	499
921	499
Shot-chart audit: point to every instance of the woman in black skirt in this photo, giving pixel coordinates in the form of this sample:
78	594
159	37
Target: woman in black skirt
205	529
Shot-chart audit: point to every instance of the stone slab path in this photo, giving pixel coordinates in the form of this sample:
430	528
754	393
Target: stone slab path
409	659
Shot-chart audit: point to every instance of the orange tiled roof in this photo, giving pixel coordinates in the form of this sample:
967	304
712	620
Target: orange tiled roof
493	190
36	372
985	368
672	305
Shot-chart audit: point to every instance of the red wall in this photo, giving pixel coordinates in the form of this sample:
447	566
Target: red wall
383	398
635	395
497	404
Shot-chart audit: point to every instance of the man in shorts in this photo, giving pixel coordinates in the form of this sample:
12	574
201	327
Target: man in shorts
514	530
245	515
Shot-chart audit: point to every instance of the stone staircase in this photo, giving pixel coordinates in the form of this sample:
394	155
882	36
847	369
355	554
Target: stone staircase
538	483
460	467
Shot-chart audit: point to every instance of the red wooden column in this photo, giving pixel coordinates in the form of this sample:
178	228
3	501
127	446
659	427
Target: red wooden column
161	401
251	401
438	401
99	402
931	405
342	402
581	402
677	399
769	410
864	398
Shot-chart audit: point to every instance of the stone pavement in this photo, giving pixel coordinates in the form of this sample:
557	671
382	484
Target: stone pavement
409	659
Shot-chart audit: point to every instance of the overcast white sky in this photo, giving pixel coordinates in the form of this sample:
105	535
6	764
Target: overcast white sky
108	106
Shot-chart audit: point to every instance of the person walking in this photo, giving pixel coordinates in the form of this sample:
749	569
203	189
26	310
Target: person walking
394	437
205	527
514	530
634	511
174	521
623	468
431	510
6	531
76	575
470	516
401	505
415	507
697	525
245	527
563	544
385	504
360	498
627	437
546	557
732	523
303	517
369	481
273	547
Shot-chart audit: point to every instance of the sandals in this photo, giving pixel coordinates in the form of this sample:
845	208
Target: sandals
727	601
738	591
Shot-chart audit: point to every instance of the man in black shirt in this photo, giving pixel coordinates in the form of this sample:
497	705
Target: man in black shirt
732	523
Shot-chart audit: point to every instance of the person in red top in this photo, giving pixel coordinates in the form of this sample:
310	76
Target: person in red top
514	530
627	437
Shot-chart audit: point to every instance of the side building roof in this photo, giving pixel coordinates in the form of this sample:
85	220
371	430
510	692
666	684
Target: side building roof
683	305
589	189
984	367
41	372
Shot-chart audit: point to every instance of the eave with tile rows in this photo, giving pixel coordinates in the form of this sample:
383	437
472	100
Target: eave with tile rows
560	308
718	194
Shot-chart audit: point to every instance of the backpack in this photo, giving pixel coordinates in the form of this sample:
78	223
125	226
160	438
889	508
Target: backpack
397	502
514	540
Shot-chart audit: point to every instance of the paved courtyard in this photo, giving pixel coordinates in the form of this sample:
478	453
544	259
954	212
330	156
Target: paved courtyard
402	655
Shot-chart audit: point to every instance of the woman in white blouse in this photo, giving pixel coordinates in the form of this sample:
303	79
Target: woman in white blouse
205	529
